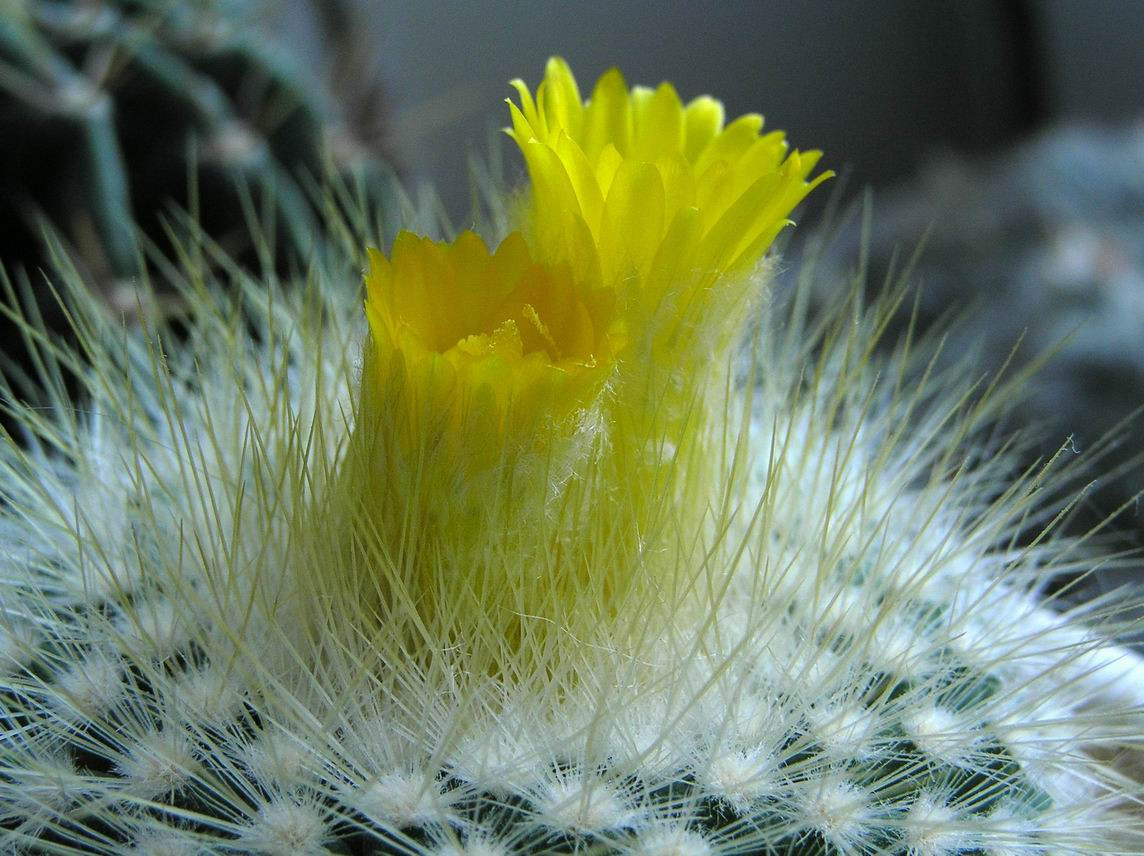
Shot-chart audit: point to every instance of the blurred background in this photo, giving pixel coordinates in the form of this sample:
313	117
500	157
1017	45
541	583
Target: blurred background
880	85
1011	130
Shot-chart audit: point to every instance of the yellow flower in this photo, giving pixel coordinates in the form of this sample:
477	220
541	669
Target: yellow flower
471	457
484	453
467	339
636	182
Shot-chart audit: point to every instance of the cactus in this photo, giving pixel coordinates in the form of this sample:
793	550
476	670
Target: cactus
275	590
115	112
1051	228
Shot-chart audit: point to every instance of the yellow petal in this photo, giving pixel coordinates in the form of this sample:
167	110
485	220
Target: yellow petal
674	261
527	107
716	188
560	98
739	225
583	179
633	220
678	182
609	161
607	118
408	303
806	162
730	145
764	155
552	187
475	293
521	131
507	265
703	120
659	126
757	248
640	99
582	252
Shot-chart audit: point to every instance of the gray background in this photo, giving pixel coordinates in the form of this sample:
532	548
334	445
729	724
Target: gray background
877	84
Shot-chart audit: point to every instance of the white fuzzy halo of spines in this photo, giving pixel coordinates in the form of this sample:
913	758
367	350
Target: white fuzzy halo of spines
873	619
284	826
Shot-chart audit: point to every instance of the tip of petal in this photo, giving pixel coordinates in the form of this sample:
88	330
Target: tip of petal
557	65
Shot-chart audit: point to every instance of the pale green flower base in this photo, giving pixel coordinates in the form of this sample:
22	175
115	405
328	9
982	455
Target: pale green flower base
874	671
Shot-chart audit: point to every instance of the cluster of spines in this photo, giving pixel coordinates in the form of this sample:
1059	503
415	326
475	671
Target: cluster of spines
174	742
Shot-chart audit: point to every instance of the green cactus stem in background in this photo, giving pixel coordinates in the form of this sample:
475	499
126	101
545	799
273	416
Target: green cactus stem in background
116	114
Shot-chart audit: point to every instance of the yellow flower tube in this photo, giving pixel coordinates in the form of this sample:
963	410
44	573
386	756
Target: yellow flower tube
671	207
540	418
481	384
471	340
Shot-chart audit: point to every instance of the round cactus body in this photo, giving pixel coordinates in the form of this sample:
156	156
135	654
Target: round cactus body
534	558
